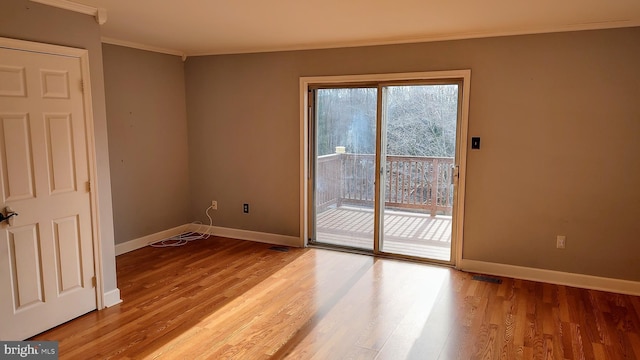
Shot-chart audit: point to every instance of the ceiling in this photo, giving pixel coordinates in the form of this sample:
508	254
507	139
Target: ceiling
199	27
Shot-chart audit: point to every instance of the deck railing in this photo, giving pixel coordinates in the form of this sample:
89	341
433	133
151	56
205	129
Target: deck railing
411	182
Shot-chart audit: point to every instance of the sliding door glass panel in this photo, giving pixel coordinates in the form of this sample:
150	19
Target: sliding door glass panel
344	176
420	138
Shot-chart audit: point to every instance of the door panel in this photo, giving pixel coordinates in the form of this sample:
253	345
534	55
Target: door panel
17	160
26	267
46	256
68	256
12	81
55	84
344	175
420	148
60	150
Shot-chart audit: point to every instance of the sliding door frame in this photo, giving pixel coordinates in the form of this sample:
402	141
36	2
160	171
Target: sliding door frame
311	155
306	163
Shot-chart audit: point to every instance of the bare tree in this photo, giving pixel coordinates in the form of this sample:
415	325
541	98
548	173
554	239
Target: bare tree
420	120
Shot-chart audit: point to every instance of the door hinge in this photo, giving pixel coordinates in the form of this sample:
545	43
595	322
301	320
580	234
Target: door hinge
81	86
94	282
88	186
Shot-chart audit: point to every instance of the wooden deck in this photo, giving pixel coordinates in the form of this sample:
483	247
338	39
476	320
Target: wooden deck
405	233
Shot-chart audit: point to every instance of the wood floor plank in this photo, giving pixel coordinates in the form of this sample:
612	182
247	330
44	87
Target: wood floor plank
223	298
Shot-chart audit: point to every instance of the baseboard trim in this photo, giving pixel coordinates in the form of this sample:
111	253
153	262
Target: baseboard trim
257	236
268	238
112	298
141	242
553	277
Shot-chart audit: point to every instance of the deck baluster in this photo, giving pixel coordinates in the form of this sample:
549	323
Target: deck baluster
411	182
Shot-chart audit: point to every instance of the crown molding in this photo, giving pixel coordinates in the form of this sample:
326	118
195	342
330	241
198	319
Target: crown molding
99	13
131	44
603	25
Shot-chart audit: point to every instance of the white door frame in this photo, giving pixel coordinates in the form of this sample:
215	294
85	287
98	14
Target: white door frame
461	145
83	55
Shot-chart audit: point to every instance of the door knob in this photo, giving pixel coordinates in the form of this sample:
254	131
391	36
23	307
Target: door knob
8	215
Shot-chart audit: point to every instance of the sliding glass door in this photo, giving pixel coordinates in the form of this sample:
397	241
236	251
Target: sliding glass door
419	152
384	167
344	181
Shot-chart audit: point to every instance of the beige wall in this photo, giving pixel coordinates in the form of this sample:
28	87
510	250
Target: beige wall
558	113
25	20
559	117
147	126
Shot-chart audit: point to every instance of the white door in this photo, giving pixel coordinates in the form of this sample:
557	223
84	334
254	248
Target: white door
46	255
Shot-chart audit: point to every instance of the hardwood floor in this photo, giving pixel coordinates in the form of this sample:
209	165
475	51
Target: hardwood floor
228	299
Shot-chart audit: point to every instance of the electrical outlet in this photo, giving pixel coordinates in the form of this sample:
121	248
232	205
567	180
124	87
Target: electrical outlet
245	208
561	241
214	205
